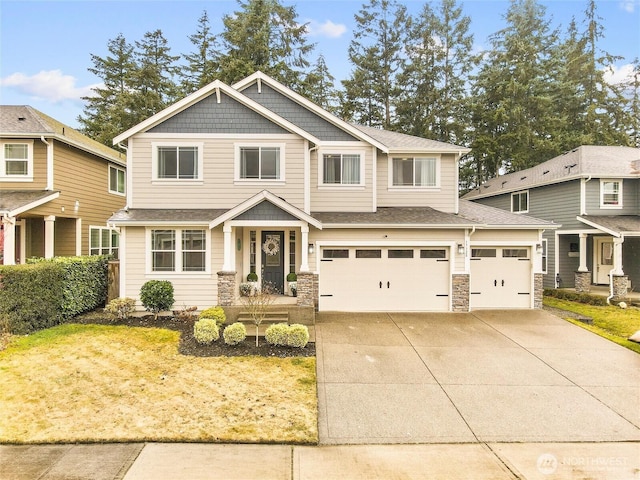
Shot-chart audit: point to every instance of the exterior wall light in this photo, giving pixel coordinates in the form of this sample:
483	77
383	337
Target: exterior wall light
538	248
460	249
311	248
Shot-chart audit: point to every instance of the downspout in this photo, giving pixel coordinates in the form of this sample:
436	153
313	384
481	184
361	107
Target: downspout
49	163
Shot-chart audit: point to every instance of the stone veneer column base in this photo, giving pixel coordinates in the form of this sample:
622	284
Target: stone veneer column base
583	282
460	299
538	290
620	286
307	293
226	288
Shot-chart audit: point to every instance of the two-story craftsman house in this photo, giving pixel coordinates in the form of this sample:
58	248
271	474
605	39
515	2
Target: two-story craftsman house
255	178
594	193
58	187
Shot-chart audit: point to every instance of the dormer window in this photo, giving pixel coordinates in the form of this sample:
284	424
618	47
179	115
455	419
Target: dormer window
611	193
16	164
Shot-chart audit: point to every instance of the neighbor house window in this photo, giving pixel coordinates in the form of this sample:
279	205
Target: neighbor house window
178	250
415	172
260	162
177	162
116	180
341	169
104	241
610	193
520	202
17	161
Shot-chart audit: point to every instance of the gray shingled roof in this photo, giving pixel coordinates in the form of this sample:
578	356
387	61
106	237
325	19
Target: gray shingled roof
11	200
161	215
26	121
496	217
584	161
616	223
419	216
400	141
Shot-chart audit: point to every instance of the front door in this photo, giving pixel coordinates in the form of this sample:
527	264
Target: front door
273	260
603	250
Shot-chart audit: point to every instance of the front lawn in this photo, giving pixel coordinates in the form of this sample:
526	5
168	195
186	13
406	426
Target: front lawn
611	322
97	383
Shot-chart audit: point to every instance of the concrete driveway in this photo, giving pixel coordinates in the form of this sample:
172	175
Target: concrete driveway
485	376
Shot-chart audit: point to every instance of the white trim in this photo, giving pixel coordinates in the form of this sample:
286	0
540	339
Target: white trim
129	190
79	237
124	186
415	188
266	223
374	179
306	176
28	177
260	145
177	181
23	239
619	205
220	136
177	273
333	149
123	262
50	169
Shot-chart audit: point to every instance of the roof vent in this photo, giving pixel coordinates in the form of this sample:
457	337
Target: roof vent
503	182
545	172
22	119
522	178
486	186
569	167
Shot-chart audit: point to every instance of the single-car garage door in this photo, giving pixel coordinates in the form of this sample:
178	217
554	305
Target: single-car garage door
500	277
384	279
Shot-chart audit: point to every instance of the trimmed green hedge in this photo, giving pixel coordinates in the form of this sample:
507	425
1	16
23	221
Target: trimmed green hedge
576	297
44	293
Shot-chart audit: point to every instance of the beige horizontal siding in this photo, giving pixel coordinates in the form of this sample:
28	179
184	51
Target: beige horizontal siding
502	236
217	189
442	199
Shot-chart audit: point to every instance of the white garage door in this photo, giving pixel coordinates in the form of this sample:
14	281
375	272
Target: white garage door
357	279
500	277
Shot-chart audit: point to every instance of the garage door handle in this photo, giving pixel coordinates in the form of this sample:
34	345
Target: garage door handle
380	284
495	283
388	284
503	283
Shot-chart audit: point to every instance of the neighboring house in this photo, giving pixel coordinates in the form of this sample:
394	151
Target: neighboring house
255	178
57	189
594	193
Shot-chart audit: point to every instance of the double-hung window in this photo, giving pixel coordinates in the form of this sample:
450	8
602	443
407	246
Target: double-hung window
180	250
611	193
414	172
342	169
104	241
116	180
177	162
17	161
260	162
520	202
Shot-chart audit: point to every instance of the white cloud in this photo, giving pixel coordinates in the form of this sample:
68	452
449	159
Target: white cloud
616	75
628	5
50	85
327	29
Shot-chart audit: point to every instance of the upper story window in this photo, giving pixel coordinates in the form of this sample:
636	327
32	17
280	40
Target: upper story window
342	169
611	193
17	161
177	161
180	250
520	202
415	172
255	162
116	180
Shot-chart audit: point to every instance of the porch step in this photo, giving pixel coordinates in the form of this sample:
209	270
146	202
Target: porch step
269	317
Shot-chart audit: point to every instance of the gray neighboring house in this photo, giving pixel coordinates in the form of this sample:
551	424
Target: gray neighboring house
593	192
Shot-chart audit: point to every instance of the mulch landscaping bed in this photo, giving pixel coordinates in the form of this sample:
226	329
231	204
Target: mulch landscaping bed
188	344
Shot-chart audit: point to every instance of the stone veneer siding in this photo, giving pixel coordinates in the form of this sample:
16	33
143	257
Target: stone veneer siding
583	282
307	293
538	289
226	288
460	301
620	286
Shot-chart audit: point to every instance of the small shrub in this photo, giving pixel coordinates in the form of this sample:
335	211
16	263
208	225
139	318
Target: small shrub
297	336
277	334
215	313
585	298
252	277
186	314
157	296
234	333
206	331
292	277
121	308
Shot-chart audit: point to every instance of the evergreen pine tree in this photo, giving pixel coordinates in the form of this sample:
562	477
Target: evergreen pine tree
319	86
202	64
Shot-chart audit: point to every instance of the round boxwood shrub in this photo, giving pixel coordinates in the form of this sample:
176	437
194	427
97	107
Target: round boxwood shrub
252	277
157	296
215	313
206	331
298	336
234	333
277	334
292	277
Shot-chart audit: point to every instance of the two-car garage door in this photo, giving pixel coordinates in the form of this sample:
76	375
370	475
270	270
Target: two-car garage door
385	278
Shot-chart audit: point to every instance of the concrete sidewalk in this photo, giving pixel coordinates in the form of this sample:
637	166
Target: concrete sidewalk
158	461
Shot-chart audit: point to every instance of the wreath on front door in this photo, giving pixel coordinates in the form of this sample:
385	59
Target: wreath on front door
271	245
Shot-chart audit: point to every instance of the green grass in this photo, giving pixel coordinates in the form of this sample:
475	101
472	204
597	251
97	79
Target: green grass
611	322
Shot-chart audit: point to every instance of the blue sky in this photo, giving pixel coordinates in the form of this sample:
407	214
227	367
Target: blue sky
46	46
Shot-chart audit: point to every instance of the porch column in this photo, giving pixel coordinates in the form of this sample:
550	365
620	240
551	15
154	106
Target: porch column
228	263
79	237
583	253
9	232
304	257
617	256
49	236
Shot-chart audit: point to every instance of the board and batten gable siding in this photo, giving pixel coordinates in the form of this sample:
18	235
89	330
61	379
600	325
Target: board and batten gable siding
39	168
343	198
218	188
83	178
207	116
201	291
441	198
630	204
297	114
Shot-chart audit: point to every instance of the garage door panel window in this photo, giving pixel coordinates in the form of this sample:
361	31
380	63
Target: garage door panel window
483	252
515	253
368	253
437	254
335	253
405	253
